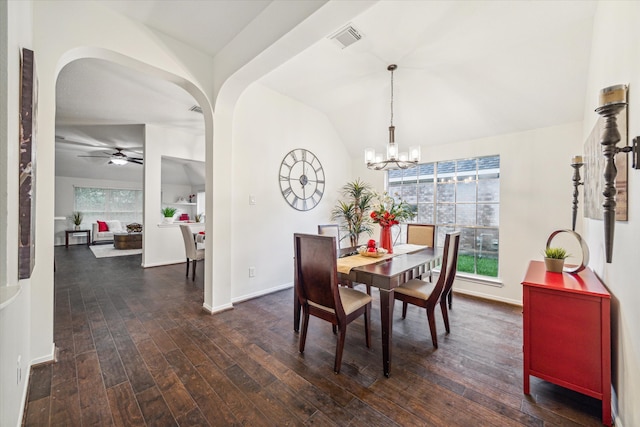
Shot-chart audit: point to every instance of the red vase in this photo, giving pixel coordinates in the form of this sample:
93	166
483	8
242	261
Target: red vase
385	239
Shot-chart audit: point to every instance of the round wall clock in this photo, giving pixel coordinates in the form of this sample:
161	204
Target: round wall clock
301	179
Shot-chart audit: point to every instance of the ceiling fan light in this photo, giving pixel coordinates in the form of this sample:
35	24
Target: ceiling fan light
119	162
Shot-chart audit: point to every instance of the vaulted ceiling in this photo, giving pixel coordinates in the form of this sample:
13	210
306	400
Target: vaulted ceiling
466	70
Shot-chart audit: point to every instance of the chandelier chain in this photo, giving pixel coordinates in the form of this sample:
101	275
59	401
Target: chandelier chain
391	97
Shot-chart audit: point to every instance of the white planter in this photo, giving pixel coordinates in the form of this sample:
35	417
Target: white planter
554	265
167	220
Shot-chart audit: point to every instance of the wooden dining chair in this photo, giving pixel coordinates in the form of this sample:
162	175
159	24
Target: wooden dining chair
422	234
428	295
193	253
333	230
316	282
330	230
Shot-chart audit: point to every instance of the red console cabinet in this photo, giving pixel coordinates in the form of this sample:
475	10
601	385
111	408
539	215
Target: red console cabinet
567	335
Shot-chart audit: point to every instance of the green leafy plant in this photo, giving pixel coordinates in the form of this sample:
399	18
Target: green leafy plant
555	253
352	212
76	218
168	212
389	211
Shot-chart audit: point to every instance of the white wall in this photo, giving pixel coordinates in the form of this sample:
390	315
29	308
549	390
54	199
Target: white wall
15	297
615	59
100	33
163	244
266	127
535	196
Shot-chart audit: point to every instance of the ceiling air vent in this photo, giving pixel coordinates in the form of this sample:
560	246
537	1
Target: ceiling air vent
346	36
196	109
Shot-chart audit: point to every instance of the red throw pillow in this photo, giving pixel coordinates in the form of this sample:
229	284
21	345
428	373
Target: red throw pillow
102	226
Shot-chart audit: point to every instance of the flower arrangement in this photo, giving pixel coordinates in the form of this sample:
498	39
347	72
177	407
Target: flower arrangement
390	212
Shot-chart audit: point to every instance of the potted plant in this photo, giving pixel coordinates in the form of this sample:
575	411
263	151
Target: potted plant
554	259
198	217
76	218
351	213
387	213
168	214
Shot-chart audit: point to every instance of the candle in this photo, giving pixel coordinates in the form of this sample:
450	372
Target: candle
576	159
613	95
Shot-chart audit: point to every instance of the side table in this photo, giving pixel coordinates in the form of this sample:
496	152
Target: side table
567	332
67	232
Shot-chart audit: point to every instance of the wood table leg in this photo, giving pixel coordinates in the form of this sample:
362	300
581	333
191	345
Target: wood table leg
386	320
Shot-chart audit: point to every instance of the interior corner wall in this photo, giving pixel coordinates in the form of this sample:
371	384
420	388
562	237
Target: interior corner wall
266	126
615	59
90	30
15	314
163	244
535	196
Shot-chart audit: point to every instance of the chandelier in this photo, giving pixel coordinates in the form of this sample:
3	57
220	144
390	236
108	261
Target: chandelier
394	159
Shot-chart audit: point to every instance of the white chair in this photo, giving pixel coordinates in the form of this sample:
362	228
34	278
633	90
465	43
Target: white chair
190	249
331	230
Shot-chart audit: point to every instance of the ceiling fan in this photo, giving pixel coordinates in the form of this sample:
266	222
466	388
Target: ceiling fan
118	158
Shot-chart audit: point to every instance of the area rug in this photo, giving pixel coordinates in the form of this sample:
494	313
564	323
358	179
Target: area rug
105	251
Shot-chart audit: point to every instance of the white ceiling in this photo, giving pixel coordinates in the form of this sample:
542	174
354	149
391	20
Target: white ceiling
466	70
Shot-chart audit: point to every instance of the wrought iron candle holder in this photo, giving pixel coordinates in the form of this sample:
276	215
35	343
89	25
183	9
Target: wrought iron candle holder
576	164
612	100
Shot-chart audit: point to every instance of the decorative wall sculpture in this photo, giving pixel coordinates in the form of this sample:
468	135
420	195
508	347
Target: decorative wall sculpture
27	156
594	169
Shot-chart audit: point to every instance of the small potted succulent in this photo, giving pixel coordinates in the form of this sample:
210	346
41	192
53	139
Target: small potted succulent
168	214
76	218
554	259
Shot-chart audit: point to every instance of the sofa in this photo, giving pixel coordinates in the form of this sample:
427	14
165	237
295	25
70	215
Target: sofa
112	227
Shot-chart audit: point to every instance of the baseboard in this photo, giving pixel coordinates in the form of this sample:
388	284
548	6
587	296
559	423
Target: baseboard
614	408
44	359
25	390
212	310
23	400
160	264
262	292
487	296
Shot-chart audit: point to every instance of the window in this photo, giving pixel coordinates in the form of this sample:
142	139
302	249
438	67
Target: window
459	195
108	204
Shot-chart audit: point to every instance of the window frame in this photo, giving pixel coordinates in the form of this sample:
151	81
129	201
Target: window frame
109	213
439	174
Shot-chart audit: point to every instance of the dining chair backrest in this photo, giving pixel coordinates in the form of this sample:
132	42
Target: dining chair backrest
449	261
421	234
316	274
450	268
330	230
189	241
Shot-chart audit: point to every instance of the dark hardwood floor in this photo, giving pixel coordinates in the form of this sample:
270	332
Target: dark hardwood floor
134	348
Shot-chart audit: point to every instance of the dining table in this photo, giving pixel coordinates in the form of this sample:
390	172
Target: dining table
386	274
